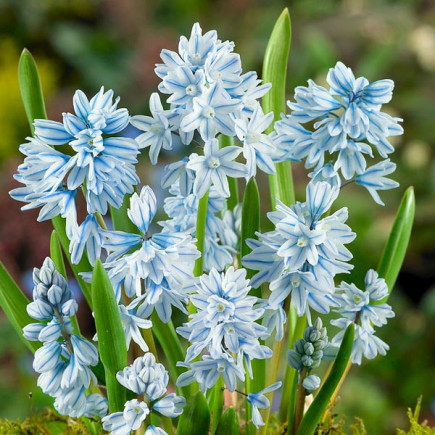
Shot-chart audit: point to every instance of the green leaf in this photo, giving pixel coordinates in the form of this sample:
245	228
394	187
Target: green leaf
250	223
14	303
315	412
168	339
111	338
275	72
216	403
228	423
30	87
397	243
195	419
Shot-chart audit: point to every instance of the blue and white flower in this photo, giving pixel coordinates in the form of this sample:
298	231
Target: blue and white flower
149	378
214	167
260	401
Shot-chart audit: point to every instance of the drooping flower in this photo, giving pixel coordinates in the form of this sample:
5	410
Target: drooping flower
260	401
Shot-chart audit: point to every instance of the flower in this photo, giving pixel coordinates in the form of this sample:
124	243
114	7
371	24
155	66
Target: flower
364	308
304	252
374	179
345	117
104	164
207	372
214	167
225	317
211	113
258	147
260	401
158	128
145	376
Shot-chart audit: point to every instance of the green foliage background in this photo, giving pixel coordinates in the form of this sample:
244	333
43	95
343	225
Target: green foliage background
88	43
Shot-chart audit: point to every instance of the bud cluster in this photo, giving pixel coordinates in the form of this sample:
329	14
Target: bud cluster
308	351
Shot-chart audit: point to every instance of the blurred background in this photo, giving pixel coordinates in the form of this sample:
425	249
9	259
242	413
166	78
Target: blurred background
83	44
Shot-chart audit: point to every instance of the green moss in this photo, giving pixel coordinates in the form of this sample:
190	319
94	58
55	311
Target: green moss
50	423
416	428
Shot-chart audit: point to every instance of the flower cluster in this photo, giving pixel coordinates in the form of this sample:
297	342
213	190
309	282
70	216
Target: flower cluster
346	116
221	233
150	379
209	94
162	263
302	255
65	358
101	164
365	309
225	326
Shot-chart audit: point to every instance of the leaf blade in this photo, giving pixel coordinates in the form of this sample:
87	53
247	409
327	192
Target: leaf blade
395	248
30	88
14	302
111	339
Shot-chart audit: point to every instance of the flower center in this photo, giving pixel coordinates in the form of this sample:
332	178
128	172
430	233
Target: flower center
302	242
253	137
157	129
208	112
220	367
191	90
220	307
213	162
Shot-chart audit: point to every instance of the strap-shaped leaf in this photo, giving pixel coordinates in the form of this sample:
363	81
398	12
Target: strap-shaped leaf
315	412
14	302
30	87
216	403
250	223
195	419
281	183
228	423
111	339
275	72
168	339
397	243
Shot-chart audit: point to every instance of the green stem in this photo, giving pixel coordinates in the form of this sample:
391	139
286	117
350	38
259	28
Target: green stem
300	404
200	233
168	339
297	326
